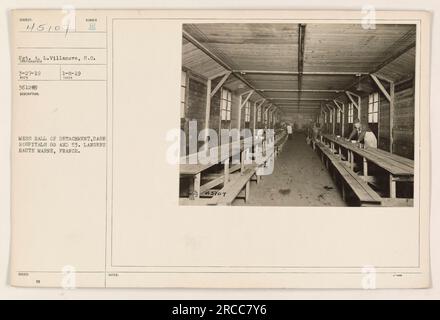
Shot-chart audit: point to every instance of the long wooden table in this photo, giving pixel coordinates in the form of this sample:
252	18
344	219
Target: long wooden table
399	168
191	167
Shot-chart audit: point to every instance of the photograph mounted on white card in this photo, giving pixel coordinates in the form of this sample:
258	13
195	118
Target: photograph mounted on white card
297	114
220	149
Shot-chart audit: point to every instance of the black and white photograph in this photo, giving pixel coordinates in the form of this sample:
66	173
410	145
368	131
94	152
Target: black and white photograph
221	152
306	114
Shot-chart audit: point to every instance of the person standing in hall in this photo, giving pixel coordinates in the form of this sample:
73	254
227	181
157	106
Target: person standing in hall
289	131
363	134
316	128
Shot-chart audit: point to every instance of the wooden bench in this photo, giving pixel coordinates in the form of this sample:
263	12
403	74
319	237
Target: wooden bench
279	144
327	152
231	190
233	184
366	195
399	169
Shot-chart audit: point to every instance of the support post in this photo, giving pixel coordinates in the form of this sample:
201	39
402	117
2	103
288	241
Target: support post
343	121
220	84
266	115
254	126
332	116
392	187
365	167
226	164
208	108
356	104
340	105
351	160
247	191
194	192
390	97
381	87
334	121
241	105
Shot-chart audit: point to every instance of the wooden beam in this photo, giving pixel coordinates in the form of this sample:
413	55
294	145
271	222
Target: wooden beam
392	98
294	73
257	106
241	105
301	36
254	125
334	120
271	117
220	84
266	116
388	60
384	63
338	104
261	107
357	104
381	77
324	110
261	103
248	93
395	55
205	50
267	108
303	90
343	121
219	61
207	108
303	99
332	116
220	74
381	87
329	107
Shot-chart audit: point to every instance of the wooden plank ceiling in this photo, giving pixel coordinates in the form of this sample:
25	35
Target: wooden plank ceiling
268	57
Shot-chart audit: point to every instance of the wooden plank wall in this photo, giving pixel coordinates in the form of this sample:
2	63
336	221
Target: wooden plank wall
403	119
196	106
404	122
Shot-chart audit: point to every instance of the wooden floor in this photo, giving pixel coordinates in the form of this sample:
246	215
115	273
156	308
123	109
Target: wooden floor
299	179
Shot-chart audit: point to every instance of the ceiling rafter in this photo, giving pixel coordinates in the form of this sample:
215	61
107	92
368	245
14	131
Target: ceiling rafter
295	73
301	37
380	66
214	57
402	45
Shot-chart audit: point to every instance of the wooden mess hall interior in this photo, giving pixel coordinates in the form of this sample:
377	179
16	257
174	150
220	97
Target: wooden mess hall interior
340	99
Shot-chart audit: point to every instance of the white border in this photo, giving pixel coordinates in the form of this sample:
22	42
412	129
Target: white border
8	292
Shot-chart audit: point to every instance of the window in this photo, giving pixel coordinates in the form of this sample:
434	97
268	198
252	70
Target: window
226	100
331	116
183	94
247	112
259	114
373	108
338	116
350	112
